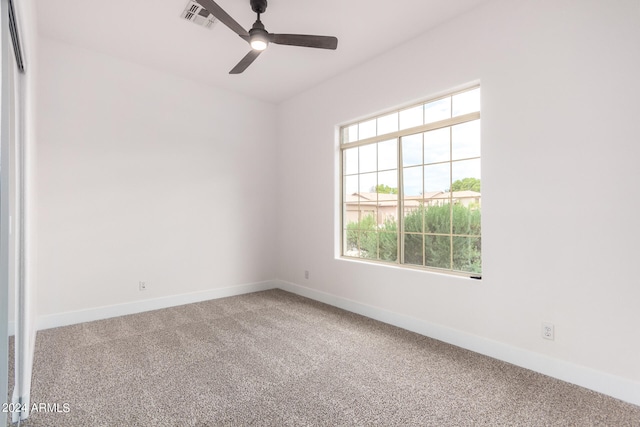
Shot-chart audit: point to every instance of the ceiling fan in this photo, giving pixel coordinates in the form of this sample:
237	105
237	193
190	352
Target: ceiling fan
259	38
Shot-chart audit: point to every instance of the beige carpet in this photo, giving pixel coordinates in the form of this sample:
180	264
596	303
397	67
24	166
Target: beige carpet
277	359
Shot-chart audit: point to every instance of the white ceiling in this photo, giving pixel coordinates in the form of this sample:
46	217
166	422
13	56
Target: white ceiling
151	33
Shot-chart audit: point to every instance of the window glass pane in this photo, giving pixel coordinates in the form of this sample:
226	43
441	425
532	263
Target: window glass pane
351	188
369	244
436	178
356	250
368	158
351	242
412	150
437	250
388	246
368	182
351	216
465	177
359	218
466	215
413	217
413	246
359	234
437	145
389	218
466	254
437	218
387	187
466	102
351	161
367	129
465	140
368	217
388	124
388	154
437	110
348	240
411	117
412	181
350	134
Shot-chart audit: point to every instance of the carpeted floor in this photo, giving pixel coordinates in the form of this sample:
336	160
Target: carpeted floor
277	359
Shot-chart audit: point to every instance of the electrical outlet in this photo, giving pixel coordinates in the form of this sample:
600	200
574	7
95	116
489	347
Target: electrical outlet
547	331
306	274
142	285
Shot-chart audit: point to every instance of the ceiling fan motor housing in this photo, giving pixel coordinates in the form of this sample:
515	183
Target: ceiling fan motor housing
258	30
259	6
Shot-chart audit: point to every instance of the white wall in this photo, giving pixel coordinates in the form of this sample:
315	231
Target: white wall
560	124
145	176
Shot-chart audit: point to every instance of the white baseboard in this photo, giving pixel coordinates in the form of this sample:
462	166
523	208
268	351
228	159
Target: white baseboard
602	382
105	312
11	328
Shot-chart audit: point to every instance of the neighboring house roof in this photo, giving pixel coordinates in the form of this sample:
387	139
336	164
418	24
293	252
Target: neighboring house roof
376	196
459	195
426	196
365	198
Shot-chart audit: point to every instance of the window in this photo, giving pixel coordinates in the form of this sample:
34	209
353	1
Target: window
411	186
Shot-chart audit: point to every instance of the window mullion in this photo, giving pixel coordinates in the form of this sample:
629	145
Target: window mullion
400	204
424	225
451	197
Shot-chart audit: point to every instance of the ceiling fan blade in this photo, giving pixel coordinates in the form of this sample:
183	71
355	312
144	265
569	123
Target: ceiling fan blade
321	42
223	17
245	62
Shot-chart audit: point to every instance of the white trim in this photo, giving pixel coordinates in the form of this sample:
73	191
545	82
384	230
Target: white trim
105	312
602	382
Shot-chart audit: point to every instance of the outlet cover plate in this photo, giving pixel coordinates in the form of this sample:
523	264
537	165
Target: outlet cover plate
548	331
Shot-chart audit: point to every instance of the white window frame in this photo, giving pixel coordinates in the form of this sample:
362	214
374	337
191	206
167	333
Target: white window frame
398	135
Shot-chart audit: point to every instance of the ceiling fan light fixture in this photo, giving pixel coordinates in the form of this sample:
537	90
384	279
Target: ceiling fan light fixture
258	43
258	36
